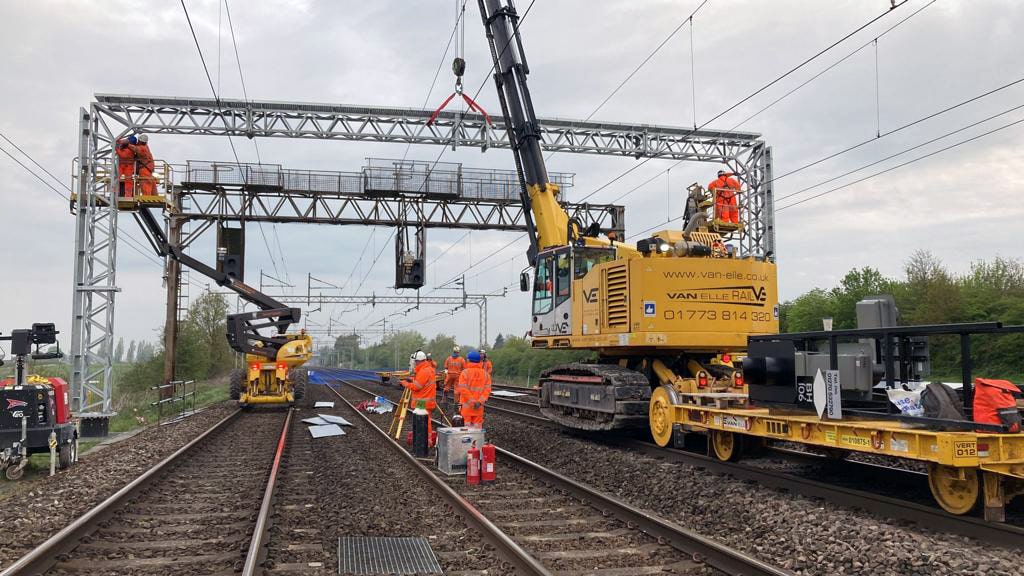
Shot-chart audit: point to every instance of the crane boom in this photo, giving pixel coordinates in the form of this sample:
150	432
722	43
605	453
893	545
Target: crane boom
547	222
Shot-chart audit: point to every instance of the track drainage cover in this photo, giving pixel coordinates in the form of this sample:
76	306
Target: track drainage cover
375	555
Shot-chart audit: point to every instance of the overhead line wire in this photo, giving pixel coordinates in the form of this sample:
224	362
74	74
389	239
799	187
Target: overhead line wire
220	107
756	92
133	242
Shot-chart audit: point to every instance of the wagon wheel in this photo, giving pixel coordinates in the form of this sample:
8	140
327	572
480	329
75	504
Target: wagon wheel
957	490
660	417
725	445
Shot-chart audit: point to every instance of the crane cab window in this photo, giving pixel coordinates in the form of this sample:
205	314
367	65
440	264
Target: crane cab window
563	280
543	286
585	259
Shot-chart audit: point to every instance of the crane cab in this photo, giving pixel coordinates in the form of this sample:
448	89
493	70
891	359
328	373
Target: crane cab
556	272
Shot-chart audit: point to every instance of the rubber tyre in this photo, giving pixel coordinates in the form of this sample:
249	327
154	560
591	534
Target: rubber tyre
235	384
65	456
299	378
14	473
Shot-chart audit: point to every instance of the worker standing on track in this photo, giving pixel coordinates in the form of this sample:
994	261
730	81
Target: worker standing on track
726	190
422	385
453	366
485	363
145	166
473	390
125	150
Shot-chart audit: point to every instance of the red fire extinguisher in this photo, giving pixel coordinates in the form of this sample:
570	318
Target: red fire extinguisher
473	465
488	458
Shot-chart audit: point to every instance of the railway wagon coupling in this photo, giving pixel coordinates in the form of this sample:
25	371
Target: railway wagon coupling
830	392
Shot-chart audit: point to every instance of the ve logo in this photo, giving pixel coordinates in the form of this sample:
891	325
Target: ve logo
590	295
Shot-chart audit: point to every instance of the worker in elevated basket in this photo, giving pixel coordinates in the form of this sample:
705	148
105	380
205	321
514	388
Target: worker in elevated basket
145	166
453	366
422	386
473	390
125	150
726	189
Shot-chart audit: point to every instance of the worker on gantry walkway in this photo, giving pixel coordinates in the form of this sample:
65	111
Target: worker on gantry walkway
422	386
453	366
473	390
726	190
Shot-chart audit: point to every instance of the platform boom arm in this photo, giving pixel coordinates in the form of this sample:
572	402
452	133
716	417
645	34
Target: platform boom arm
243	328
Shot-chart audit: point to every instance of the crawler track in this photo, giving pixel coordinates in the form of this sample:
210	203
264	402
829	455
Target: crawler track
194	512
568	528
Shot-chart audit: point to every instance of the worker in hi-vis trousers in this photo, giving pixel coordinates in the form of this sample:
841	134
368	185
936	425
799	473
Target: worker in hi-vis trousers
422	386
726	190
145	166
485	363
453	366
125	150
473	390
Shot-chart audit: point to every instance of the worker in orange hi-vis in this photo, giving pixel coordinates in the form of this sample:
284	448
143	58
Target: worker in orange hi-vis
485	363
146	166
125	150
473	390
453	366
422	386
726	189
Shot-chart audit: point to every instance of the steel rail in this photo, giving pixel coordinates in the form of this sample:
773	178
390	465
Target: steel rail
43	557
261	531
523	561
933	518
716	555
1003	535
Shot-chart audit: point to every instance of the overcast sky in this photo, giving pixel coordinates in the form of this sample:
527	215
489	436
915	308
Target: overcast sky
963	204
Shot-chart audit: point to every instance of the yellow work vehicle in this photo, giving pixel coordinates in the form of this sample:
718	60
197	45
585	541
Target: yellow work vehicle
277	381
675	308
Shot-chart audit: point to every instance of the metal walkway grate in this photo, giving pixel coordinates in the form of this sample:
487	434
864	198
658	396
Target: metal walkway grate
377	555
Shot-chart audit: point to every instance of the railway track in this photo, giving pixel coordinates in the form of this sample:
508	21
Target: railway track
193	512
547	523
924	515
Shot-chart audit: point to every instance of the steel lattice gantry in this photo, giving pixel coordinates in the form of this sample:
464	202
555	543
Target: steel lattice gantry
111	116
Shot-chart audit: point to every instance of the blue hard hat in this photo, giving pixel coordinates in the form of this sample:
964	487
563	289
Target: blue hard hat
133	139
473	356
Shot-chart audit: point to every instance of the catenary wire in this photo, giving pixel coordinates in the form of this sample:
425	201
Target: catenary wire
758	91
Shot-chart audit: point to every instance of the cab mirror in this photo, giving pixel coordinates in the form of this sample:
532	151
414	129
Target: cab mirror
524	281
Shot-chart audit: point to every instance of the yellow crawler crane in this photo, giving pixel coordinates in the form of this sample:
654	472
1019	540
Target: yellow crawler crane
675	308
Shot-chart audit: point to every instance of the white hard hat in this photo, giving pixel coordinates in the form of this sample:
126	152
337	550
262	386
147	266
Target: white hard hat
482	351
143	138
420	356
455	349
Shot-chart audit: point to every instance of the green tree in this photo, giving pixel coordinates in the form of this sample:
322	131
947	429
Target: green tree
119	351
130	357
499	341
